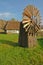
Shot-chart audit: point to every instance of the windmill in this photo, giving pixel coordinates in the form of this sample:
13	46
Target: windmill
29	26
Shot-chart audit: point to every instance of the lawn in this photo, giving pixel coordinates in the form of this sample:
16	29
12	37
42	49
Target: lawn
12	54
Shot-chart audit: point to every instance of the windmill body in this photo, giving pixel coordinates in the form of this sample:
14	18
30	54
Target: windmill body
29	26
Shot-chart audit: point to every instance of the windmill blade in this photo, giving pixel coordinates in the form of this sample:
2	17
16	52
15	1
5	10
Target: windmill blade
25	17
27	13
31	18
37	26
26	20
36	29
27	28
26	25
38	19
27	10
35	11
33	22
30	8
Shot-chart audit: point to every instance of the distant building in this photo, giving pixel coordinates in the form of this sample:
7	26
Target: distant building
12	27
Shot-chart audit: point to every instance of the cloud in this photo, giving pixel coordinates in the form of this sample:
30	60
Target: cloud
9	16
6	15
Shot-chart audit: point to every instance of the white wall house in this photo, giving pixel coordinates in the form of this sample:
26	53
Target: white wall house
13	31
12	27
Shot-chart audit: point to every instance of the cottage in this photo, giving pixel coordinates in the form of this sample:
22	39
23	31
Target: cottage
12	27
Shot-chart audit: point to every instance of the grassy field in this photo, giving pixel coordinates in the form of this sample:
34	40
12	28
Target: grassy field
12	54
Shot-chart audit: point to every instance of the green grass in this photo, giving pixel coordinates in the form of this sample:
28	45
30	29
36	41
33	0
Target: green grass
12	54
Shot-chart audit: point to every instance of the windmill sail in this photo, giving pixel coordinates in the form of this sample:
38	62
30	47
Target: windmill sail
31	18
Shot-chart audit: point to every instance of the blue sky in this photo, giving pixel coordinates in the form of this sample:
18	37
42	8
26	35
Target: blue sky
14	8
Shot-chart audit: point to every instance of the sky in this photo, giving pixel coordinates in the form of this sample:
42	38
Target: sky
14	8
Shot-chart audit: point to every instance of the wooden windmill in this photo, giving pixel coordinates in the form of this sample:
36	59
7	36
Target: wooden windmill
29	26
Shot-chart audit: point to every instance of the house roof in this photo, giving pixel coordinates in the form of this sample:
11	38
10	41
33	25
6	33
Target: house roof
12	25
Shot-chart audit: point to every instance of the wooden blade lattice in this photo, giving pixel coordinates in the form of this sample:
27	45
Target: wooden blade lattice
31	18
